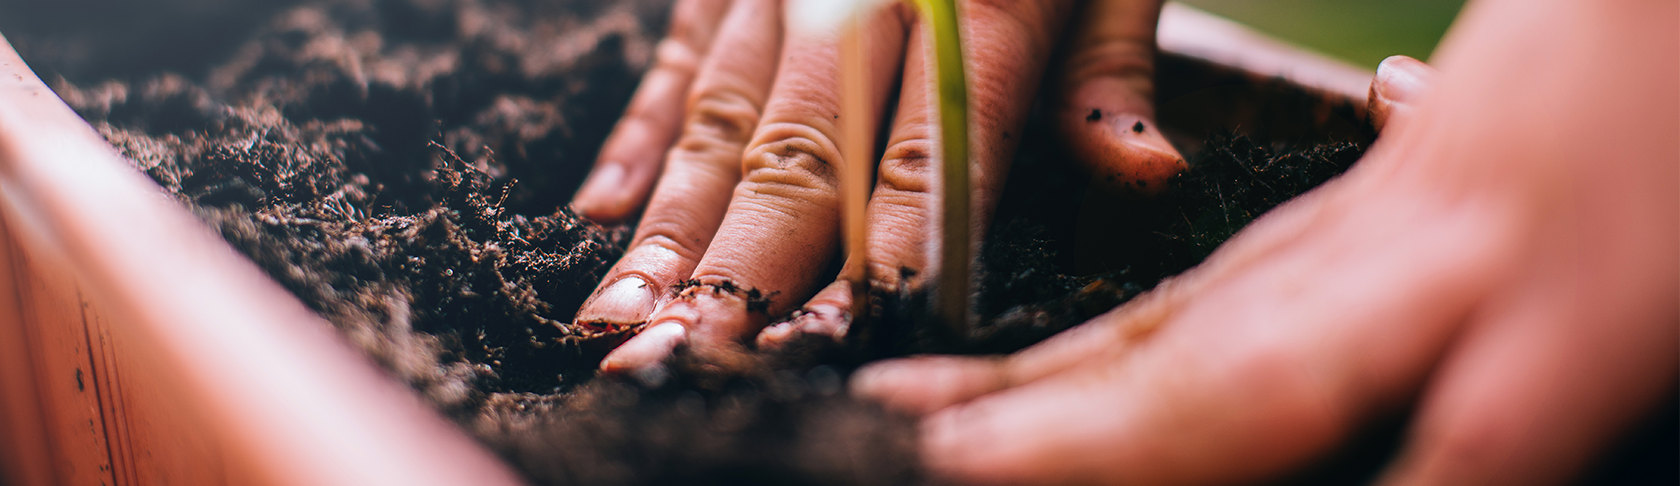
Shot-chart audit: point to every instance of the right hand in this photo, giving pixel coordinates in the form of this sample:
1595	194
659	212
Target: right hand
1502	263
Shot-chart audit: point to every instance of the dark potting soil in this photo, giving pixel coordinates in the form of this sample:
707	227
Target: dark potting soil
398	165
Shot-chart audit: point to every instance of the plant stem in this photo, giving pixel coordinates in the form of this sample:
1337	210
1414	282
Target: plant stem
856	154
951	100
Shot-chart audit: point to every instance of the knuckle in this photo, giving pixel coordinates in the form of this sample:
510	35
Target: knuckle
1114	56
671	237
677	55
791	155
718	115
907	166
694	21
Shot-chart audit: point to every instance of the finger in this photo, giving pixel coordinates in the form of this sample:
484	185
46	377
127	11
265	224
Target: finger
624	172
1532	399
828	314
901	384
901	205
1007	47
1398	89
1241	384
1106	108
1576	348
922	385
782	226
651	346
898	383
692	195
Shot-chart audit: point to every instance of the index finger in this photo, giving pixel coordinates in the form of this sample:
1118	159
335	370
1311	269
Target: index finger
629	160
1265	368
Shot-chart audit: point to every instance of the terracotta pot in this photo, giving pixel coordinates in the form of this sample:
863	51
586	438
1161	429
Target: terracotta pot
137	347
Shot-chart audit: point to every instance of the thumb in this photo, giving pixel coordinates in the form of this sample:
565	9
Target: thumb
1399	86
1105	97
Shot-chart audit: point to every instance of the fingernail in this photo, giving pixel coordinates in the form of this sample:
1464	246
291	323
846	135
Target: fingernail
1402	79
826	320
629	300
775	336
646	349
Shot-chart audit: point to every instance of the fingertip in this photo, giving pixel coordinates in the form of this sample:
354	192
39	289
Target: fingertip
924	385
1106	98
824	320
775	336
646	350
1403	79
1123	151
877	381
604	196
889	383
827	314
816	319
1400	84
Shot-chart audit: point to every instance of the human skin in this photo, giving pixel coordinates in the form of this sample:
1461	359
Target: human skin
747	196
1505	262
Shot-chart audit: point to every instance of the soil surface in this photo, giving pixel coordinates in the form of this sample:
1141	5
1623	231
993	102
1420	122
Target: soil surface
399	166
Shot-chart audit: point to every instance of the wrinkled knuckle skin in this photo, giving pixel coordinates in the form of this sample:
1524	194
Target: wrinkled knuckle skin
693	23
670	236
794	156
677	55
1129	59
718	119
908	167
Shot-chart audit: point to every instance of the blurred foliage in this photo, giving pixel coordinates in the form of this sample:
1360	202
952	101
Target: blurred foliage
1360	31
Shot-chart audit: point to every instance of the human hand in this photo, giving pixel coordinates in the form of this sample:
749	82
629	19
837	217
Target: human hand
748	197
1505	259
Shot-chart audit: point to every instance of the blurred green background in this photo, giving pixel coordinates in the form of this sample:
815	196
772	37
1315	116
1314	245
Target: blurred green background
1360	31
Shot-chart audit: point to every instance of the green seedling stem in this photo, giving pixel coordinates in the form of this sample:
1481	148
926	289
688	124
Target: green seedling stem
951	106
